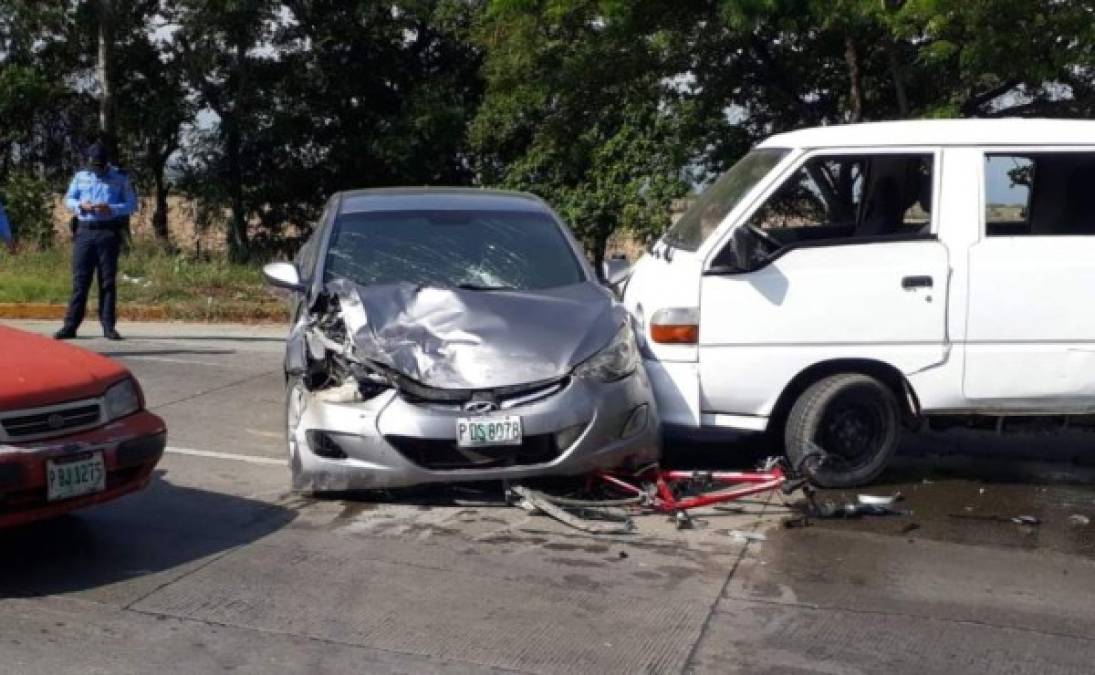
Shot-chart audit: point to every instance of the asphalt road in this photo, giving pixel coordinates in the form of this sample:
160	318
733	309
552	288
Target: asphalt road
217	567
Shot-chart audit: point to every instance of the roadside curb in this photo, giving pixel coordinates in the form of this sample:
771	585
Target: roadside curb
129	312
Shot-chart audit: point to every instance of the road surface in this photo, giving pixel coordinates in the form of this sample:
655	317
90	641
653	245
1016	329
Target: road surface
217	567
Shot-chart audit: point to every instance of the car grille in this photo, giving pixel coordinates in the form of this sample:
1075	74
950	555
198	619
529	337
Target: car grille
454	399
52	422
440	455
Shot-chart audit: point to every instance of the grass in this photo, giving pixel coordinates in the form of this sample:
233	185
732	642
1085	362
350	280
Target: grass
178	286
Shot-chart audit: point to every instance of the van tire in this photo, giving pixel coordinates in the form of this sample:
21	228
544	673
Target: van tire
855	419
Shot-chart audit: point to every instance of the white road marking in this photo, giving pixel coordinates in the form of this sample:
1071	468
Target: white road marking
165	359
265	434
251	459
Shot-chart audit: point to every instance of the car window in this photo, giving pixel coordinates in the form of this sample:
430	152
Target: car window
306	257
697	224
471	249
850	198
1039	194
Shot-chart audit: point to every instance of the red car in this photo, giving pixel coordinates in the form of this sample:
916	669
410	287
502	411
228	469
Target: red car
73	429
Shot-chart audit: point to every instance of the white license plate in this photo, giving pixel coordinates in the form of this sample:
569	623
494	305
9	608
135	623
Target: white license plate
474	432
66	480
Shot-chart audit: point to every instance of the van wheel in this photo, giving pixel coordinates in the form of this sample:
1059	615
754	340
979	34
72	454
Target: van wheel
854	419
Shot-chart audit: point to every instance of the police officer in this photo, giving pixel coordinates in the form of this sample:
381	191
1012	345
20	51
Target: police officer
102	199
5	230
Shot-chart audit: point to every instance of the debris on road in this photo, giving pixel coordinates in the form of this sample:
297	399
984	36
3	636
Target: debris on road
875	500
848	510
1080	520
796	522
996	518
592	519
743	537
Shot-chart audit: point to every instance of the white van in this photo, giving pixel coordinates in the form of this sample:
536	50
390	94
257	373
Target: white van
840	283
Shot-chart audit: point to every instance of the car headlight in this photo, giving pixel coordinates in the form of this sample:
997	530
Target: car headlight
615	362
122	399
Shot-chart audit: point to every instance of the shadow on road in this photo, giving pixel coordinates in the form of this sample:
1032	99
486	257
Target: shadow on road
211	338
169	352
165	528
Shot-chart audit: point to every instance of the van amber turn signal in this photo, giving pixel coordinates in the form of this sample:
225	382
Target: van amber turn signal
677	325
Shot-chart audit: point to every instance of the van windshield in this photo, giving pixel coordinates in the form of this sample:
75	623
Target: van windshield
697	224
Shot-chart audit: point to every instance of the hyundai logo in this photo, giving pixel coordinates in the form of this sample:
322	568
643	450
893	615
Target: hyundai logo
55	421
480	407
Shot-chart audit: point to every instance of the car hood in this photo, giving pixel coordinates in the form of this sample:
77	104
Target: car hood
37	371
463	339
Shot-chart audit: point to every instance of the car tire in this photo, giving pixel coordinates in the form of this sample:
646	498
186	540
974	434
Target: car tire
854	419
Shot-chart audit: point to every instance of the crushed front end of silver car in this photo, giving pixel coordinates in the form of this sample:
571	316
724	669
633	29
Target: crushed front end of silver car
396	385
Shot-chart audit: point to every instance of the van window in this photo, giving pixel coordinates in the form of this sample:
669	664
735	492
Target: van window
851	198
1040	194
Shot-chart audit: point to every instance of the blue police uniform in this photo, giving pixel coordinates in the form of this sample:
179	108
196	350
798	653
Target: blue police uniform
97	241
5	226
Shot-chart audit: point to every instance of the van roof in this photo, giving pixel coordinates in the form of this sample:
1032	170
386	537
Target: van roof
959	132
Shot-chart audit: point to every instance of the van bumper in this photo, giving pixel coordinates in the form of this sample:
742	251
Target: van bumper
677	392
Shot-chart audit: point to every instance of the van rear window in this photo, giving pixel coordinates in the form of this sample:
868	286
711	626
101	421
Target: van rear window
1040	194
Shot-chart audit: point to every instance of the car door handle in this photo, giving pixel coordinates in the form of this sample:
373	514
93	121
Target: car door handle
916	282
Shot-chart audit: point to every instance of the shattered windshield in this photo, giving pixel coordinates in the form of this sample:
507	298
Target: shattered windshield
697	224
476	250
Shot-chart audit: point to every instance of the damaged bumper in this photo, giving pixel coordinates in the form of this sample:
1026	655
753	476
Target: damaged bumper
570	427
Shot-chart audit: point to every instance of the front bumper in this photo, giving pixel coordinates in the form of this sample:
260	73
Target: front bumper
131	448
390	443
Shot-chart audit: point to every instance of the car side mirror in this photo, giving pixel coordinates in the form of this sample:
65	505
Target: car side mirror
615	270
283	275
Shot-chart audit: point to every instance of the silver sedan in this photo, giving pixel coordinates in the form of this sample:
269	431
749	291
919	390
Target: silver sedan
446	335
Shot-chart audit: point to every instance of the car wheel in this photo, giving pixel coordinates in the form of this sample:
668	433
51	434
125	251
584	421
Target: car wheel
294	409
853	419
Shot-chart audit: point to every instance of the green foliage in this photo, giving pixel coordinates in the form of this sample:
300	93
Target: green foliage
210	288
576	111
29	204
259	109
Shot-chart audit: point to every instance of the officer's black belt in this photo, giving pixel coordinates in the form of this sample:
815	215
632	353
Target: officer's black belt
100	224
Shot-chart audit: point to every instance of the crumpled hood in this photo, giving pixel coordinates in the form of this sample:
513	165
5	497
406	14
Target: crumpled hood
37	371
463	339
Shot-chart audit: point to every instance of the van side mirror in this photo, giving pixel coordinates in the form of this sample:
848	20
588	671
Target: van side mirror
735	255
283	275
615	270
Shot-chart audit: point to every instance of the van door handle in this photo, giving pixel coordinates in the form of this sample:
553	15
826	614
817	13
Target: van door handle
916	282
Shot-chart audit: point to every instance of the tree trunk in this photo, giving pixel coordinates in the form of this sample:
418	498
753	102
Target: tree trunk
237	225
855	78
898	79
104	71
159	215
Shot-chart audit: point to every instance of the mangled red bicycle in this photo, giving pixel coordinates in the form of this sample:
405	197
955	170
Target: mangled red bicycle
675	492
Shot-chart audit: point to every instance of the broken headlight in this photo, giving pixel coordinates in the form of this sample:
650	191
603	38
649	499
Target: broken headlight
615	362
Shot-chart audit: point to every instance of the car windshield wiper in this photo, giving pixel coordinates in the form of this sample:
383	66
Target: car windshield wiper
483	287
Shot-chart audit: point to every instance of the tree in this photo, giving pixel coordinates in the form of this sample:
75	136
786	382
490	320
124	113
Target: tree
369	95
221	45
157	102
577	111
1005	57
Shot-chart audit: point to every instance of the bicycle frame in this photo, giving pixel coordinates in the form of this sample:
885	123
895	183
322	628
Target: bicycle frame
658	491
